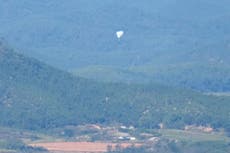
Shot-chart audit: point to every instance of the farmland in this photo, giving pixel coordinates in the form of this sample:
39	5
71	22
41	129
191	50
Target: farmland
98	138
82	146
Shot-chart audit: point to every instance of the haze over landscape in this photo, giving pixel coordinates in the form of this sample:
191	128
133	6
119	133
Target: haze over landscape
151	73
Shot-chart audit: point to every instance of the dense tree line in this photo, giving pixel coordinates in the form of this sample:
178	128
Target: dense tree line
16	145
171	146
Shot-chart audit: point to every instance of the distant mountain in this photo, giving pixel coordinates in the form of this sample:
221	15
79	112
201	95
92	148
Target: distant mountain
164	40
34	95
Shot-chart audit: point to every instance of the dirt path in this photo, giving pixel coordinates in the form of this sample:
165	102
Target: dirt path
81	146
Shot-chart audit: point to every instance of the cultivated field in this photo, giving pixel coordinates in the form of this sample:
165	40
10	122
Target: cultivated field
76	147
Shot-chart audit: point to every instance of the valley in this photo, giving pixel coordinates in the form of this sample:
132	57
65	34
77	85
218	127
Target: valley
114	76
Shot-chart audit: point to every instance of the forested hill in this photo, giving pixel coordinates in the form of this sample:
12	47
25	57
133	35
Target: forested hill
36	96
181	42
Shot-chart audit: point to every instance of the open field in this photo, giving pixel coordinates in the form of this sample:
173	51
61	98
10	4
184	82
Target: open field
194	136
7	151
81	146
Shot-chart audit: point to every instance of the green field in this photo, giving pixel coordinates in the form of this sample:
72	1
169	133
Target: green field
193	136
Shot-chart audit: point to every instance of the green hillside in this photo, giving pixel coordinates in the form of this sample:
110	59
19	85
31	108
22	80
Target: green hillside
34	95
164	40
206	78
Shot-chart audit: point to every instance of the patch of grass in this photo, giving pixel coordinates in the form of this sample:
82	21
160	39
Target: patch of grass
7	151
192	135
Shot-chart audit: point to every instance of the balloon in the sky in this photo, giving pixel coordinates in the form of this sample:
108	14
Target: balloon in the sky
119	34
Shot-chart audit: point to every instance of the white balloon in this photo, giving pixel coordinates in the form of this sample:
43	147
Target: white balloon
119	34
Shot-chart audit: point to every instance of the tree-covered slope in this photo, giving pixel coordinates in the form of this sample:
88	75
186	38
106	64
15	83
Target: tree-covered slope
206	78
35	96
192	36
